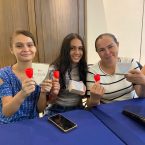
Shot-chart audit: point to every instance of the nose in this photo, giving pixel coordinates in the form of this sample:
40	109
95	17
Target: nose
25	48
77	51
107	51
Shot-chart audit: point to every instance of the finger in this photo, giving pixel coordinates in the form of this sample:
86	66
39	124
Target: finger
134	71
55	80
97	82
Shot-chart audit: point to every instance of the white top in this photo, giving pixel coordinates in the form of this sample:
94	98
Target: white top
116	87
66	98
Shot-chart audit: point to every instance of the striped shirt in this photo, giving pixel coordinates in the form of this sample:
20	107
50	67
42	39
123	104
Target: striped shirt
116	87
10	85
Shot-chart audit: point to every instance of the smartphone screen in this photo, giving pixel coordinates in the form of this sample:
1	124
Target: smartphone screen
62	122
122	68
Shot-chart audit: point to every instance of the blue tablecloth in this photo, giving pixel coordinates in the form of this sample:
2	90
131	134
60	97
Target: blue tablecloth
128	130
90	131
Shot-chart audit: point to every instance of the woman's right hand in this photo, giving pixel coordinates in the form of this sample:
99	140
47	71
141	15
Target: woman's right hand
96	92
28	86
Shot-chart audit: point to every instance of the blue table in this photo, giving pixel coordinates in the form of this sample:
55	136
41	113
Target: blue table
90	131
128	130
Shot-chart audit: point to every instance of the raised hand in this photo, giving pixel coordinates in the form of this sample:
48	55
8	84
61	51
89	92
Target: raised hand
46	86
28	86
136	77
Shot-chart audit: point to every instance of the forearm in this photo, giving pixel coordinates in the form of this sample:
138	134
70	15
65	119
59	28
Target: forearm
141	91
93	102
13	105
42	102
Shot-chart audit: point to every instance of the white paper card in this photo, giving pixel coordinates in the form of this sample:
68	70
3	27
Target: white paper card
76	87
122	68
40	71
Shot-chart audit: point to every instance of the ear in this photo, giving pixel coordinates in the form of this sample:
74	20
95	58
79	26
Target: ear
118	44
11	50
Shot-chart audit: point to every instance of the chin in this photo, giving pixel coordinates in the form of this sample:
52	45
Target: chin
26	60
76	61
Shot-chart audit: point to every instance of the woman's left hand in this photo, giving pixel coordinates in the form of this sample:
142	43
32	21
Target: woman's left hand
46	86
55	87
136	77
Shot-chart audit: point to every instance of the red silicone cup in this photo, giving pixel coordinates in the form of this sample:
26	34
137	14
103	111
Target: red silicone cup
29	72
97	77
56	74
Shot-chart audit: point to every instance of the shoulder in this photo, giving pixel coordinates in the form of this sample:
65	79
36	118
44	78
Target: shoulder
5	71
94	68
5	74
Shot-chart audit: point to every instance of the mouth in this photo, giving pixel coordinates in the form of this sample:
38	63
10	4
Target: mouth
25	55
77	57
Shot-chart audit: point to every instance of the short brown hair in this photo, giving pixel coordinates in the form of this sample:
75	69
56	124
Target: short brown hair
23	32
105	34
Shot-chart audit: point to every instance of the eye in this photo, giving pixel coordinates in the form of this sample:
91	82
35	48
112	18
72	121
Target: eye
81	48
110	46
19	45
72	48
30	44
101	49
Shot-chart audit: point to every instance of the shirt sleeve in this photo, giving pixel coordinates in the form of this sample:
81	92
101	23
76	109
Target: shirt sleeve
5	88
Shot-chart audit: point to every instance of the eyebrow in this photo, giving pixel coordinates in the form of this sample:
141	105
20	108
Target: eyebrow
24	43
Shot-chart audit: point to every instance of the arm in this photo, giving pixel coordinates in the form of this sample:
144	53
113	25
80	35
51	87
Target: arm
96	92
42	101
54	90
140	90
11	104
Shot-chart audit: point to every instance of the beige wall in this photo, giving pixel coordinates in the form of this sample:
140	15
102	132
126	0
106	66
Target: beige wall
121	17
95	24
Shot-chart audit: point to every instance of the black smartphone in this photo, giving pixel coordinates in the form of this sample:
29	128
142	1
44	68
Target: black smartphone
62	122
135	112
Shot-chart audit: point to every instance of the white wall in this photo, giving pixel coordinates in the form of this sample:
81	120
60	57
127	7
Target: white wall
120	17
95	24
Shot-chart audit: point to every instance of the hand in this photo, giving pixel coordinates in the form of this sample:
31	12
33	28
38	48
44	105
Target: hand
55	87
143	70
136	76
28	86
84	89
96	91
46	86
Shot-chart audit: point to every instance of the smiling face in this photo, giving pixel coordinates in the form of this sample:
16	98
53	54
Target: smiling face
76	51
107	49
23	48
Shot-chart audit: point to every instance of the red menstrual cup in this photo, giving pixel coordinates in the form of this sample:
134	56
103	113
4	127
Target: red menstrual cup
56	74
29	72
97	77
